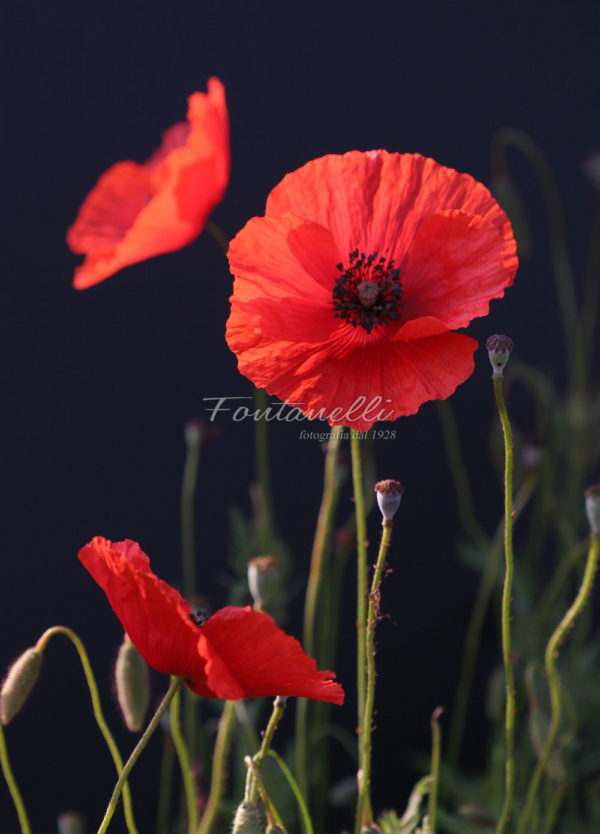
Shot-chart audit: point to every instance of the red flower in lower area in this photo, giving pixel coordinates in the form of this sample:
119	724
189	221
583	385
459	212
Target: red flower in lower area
235	653
137	211
347	292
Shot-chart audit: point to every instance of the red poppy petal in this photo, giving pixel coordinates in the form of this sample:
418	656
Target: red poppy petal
248	656
375	201
457	263
183	181
154	615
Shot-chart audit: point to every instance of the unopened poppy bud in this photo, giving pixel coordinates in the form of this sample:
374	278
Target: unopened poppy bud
389	495
592	507
499	349
246	820
132	681
264	581
19	682
70	822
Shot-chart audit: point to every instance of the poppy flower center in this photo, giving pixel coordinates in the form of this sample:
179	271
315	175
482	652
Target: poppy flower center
368	292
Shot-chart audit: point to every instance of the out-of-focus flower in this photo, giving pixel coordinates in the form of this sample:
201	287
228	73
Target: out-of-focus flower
235	653
137	211
347	292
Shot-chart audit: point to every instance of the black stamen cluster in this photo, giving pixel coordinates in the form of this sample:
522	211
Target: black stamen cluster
347	304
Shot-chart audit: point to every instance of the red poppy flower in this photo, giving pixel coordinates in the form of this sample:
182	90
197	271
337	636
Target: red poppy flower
235	653
137	211
347	292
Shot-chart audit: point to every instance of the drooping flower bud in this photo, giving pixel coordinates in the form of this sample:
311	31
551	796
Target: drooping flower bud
592	507
246	820
132	682
389	495
499	348
264	581
70	822
19	682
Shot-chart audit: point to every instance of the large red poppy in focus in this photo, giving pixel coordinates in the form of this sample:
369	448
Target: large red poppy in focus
235	653
137	211
347	292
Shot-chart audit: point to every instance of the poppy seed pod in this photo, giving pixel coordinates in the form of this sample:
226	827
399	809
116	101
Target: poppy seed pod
246	820
70	822
499	348
592	507
132	682
19	682
264	581
389	495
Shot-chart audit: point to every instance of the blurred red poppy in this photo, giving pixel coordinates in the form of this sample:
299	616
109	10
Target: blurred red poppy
235	653
137	211
347	292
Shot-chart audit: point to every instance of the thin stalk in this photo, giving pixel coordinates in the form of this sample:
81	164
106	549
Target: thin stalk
218	235
304	815
191	800
193	437
97	710
263	470
122	780
506	598
436	747
219	767
12	785
556	694
475	626
363	806
361	591
165	785
259	758
320	549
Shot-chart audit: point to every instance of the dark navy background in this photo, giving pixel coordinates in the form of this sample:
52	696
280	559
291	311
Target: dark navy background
97	385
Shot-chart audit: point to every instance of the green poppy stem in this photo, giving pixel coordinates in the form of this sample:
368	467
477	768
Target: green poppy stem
97	709
556	694
12	785
363	806
436	747
361	594
320	549
509	734
263	472
122	780
184	763
259	758
219	767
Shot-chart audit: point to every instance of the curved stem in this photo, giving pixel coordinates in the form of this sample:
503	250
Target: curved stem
97	710
218	235
258	759
184	763
363	812
12	785
320	549
556	695
122	780
219	767
506	598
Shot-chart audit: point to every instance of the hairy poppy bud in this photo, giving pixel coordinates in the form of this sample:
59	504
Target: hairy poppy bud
389	495
70	822
246	820
499	349
592	507
264	581
132	680
19	682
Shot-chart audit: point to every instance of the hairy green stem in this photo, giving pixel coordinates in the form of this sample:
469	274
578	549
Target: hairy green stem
436	748
554	685
506	598
219	767
263	471
97	710
259	758
320	549
184	764
361	593
122	780
12	785
363	806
